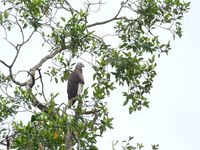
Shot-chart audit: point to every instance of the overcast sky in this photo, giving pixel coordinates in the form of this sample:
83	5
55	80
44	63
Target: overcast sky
173	119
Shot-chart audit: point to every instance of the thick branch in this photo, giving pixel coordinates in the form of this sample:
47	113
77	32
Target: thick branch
40	106
7	142
68	139
93	111
35	103
13	79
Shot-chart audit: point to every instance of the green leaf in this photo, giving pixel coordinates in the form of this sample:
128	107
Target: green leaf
63	19
131	109
125	102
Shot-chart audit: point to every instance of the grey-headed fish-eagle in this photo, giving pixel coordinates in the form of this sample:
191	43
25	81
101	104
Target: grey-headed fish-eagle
75	83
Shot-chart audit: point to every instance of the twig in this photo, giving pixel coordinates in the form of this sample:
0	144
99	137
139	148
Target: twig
40	76
104	22
21	30
86	61
88	4
1	61
15	58
5	38
24	42
110	20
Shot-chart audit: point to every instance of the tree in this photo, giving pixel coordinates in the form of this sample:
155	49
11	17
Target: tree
66	33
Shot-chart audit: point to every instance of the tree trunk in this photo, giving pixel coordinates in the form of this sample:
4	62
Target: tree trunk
68	139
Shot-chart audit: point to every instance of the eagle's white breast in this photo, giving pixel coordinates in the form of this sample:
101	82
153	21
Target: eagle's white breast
80	89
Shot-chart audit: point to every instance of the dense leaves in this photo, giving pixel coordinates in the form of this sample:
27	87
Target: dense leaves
68	34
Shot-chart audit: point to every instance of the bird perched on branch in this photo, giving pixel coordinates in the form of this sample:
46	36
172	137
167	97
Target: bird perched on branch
75	83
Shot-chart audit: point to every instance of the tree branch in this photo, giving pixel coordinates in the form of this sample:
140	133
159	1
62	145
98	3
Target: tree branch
13	79
26	41
17	54
88	4
44	59
104	22
7	142
40	106
1	61
93	111
40	76
68	139
112	19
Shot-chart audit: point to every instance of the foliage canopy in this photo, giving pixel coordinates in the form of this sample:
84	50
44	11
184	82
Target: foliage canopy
67	30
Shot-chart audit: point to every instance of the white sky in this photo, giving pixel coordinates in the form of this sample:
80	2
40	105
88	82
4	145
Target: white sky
172	121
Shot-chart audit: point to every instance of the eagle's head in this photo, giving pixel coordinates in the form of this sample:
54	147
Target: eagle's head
80	65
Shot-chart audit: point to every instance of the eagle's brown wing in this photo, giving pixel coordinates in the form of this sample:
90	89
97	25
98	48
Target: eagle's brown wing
73	83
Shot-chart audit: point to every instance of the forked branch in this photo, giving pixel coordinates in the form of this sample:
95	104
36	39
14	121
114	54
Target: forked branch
112	19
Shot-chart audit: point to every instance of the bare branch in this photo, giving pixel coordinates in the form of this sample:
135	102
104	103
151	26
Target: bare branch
40	106
35	103
21	30
40	76
2	143
88	4
103	22
122	5
44	59
1	61
7	142
6	34
13	79
70	8
30	83
15	58
109	35
30	36
93	111
9	42
86	61
112	19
